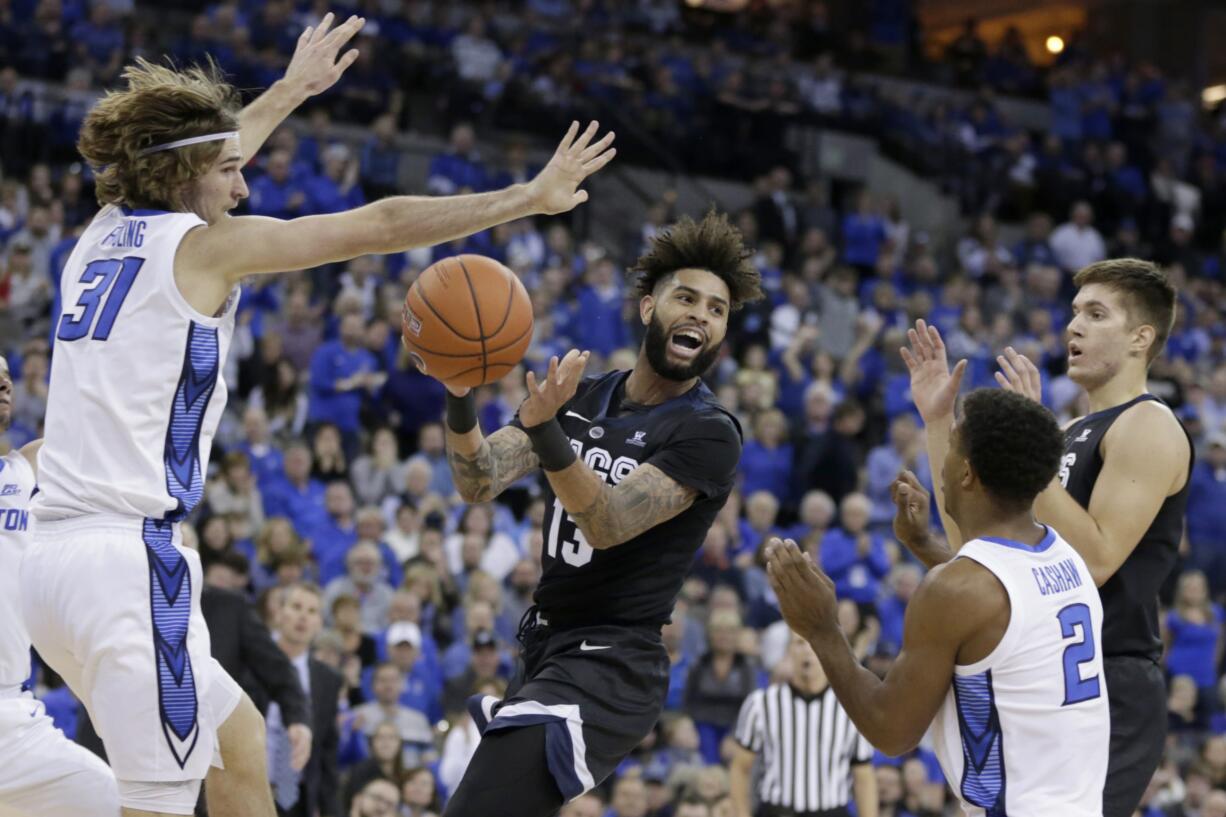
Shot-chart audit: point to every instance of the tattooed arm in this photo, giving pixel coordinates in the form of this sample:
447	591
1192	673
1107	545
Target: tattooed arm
482	467
610	515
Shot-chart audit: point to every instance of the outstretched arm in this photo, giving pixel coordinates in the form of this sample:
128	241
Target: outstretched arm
231	249
1145	460
312	70
609	515
935	392
892	714
482	467
1146	457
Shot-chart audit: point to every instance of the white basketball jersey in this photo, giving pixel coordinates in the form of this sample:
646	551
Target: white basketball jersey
136	383
16	485
1026	730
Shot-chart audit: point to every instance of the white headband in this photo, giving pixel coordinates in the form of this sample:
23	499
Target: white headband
191	140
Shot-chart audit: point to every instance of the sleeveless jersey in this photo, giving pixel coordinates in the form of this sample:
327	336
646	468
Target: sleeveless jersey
1130	597
16	486
136	383
1025	731
693	440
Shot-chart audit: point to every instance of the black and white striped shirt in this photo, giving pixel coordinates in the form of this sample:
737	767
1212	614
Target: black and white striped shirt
807	745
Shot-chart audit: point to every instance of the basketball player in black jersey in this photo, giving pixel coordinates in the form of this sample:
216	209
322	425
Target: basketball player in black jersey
1121	493
638	464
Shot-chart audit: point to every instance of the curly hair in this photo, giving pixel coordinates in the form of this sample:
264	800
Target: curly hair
1148	294
159	105
712	244
1013	444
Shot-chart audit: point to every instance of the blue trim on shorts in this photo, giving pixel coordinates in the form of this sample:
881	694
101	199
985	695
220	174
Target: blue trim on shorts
170	582
559	749
983	743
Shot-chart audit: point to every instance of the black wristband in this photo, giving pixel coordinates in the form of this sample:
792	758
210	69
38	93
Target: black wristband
551	445
461	413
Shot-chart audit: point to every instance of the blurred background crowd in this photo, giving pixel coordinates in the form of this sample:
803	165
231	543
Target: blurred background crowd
329	464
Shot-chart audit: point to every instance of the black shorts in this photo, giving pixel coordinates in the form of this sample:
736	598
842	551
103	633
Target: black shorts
598	690
1136	691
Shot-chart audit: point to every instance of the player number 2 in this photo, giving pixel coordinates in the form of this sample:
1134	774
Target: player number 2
1081	651
107	284
575	553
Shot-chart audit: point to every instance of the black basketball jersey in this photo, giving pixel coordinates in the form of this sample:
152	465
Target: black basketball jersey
1130	597
692	439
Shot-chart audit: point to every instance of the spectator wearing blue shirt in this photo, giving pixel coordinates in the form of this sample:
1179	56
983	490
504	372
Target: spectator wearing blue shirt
852	556
863	234
99	41
905	449
460	168
337	188
267	461
761	511
1193	633
432	448
335	533
599	325
379	162
1207	512
343	371
903	580
275	194
423	684
294	494
766	460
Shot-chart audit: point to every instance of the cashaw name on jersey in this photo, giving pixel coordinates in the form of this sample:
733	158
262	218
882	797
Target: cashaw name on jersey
612	469
128	234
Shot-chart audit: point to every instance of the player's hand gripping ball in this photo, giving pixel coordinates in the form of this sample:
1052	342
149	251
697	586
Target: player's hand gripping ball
467	321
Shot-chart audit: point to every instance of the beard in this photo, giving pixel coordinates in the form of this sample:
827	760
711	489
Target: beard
656	345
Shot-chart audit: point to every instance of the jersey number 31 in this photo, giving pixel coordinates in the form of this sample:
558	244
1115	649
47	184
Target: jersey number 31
107	282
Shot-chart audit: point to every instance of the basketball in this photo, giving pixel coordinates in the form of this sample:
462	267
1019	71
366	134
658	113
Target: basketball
467	320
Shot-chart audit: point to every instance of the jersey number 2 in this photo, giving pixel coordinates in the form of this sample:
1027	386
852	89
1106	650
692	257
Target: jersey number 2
111	279
575	553
1077	689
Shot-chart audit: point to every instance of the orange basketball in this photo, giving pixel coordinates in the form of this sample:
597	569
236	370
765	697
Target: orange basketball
467	320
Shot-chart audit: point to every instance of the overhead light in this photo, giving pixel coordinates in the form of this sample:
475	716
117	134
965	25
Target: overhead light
1054	44
1213	94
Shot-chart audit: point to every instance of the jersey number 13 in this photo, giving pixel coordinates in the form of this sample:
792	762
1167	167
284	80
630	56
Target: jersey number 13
575	550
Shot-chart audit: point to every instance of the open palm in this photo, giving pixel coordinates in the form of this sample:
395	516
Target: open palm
314	67
556	188
934	389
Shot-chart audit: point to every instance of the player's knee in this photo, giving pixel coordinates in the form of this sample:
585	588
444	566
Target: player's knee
242	733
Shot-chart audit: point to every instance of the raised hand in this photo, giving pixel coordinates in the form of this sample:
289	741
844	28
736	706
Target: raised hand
314	67
1019	375
933	387
806	594
911	502
560	384
556	188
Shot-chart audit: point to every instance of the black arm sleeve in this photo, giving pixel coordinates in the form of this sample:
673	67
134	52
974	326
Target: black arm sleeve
703	454
272	669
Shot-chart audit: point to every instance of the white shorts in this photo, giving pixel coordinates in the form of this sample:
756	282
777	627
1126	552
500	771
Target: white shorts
43	773
113	605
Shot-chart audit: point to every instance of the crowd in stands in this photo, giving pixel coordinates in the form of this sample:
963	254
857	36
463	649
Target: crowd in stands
329	464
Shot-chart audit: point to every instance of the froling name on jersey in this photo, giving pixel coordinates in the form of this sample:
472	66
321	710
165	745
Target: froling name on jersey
129	234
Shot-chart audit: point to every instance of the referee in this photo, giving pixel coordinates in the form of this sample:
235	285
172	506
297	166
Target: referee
813	759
